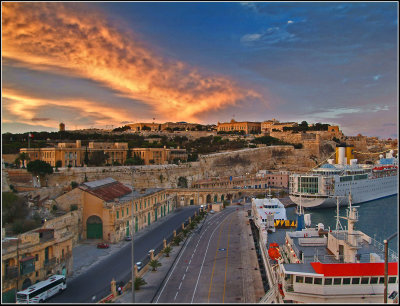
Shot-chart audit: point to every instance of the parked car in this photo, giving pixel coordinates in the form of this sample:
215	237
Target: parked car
103	245
139	265
212	212
128	238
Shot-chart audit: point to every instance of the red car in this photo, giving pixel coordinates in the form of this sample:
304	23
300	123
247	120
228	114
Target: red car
103	246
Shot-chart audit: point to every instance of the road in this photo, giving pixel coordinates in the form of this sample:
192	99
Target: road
209	268
96	281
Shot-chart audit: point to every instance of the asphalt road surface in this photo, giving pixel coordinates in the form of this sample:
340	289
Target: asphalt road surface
208	268
96	281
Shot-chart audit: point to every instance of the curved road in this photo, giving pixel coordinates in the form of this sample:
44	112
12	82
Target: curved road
96	281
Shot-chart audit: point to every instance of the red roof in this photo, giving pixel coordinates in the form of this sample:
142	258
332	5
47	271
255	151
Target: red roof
110	191
355	269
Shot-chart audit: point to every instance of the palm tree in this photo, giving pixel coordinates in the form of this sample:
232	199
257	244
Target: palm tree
177	240
167	250
139	282
154	264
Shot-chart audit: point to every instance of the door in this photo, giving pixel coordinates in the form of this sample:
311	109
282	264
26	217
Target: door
155	214
148	218
136	224
94	227
127	228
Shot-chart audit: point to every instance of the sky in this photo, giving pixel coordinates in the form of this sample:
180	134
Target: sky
106	64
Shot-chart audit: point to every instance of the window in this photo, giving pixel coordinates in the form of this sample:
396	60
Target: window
392	280
136	206
355	281
337	281
308	280
374	280
381	280
364	280
346	281
318	281
37	257
117	214
328	281
122	212
127	211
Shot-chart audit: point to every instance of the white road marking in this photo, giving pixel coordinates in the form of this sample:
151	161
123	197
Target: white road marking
183	276
180	286
205	255
176	295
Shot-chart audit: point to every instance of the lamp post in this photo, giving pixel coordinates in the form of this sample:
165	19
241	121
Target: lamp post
385	293
132	241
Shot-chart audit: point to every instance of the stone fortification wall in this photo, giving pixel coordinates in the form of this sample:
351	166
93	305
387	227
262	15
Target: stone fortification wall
219	164
252	160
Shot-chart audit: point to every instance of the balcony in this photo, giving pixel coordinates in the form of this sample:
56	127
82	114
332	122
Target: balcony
50	262
11	273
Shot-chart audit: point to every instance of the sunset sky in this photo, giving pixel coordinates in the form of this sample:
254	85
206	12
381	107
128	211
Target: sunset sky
108	64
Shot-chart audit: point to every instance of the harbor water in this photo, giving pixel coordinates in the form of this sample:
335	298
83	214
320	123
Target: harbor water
378	219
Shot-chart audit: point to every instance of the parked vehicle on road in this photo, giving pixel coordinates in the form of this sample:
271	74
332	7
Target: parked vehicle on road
139	265
212	212
43	290
103	245
128	238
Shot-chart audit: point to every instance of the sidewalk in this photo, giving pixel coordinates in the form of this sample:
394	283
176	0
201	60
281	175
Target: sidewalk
86	254
154	280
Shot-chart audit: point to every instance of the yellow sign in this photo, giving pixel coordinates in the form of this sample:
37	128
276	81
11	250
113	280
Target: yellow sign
285	223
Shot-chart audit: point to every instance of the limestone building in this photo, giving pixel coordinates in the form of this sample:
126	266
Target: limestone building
106	208
34	256
274	125
246	126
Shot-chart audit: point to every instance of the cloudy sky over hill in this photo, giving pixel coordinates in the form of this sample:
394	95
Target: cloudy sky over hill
103	64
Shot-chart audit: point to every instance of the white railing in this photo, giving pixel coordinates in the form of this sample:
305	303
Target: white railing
269	297
391	254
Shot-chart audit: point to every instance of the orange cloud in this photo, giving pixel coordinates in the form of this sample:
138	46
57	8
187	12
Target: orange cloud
65	35
26	109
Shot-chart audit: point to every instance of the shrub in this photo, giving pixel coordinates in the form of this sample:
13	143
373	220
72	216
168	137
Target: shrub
54	207
154	264
139	282
167	250
74	207
177	240
74	184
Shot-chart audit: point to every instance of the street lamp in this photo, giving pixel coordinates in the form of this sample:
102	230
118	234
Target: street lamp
385	293
132	241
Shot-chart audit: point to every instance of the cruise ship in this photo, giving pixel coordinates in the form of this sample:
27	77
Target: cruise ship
321	187
323	265
267	212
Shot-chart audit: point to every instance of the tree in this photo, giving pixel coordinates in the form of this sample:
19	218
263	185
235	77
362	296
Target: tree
21	158
139	282
58	164
135	160
86	158
154	264
182	182
167	250
39	168
97	158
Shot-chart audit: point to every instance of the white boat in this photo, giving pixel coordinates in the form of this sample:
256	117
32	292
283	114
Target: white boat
319	265
266	211
323	185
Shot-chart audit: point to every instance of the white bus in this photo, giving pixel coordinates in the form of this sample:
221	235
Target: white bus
41	291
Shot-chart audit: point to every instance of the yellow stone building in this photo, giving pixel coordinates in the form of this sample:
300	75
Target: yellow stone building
34	256
247	127
106	208
73	153
270	125
137	127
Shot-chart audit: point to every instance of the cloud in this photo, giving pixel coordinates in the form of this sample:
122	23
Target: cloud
70	39
23	108
40	119
271	36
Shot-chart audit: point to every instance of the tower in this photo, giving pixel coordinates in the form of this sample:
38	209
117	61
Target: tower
62	127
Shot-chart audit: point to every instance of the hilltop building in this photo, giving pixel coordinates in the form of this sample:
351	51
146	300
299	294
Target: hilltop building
246	126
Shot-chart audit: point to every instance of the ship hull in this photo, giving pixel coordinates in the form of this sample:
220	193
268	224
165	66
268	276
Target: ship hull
361	192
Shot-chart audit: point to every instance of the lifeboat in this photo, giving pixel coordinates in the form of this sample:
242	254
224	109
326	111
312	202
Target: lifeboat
273	251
